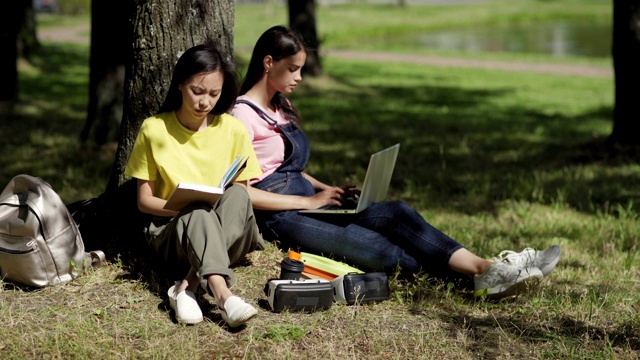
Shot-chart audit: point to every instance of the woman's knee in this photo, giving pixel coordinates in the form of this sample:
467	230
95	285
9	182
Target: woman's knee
238	194
237	191
399	210
197	210
403	207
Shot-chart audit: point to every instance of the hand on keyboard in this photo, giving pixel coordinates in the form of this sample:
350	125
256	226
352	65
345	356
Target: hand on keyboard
350	202
350	197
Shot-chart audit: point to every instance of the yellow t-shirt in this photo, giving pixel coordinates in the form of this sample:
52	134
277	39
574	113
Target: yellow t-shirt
168	153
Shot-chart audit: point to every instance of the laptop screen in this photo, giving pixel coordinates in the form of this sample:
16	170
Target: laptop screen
378	177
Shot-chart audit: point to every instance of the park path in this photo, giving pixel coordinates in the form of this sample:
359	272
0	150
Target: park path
80	34
512	66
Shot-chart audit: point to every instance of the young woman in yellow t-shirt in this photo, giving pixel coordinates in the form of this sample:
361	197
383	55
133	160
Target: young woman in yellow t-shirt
193	140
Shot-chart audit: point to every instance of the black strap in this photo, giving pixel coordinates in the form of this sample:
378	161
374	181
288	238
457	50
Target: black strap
95	258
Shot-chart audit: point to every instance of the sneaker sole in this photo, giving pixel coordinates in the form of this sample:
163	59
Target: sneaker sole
515	289
189	321
239	322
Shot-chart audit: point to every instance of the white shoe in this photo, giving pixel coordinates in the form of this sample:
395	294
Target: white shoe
545	260
504	279
185	306
237	312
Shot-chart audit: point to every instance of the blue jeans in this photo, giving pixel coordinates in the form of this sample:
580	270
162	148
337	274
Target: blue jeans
386	235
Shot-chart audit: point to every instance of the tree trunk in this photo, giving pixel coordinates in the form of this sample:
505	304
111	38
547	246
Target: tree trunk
626	65
11	21
302	17
110	39
28	39
162	31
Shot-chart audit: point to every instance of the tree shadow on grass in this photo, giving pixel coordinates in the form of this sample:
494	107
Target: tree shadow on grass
458	151
40	133
485	335
491	329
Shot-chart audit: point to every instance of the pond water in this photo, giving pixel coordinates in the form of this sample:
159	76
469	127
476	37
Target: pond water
559	38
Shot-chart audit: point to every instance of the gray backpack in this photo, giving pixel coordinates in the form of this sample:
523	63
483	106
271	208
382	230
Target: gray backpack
40	244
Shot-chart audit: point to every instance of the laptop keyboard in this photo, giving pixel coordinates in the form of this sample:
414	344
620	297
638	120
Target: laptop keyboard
348	203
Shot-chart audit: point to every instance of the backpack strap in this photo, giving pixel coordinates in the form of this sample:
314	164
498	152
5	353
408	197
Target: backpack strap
95	258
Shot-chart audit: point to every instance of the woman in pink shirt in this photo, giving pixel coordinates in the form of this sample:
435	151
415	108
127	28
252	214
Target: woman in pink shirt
382	237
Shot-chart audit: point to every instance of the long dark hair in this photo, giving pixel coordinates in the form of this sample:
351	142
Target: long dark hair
279	42
197	60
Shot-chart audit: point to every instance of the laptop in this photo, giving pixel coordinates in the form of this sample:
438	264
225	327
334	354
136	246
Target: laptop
375	186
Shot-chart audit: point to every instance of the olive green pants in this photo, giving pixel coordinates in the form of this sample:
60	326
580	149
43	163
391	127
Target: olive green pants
207	238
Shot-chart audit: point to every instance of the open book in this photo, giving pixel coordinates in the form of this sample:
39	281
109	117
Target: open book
185	193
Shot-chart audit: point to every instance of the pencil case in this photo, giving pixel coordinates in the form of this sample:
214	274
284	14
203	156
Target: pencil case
360	288
320	266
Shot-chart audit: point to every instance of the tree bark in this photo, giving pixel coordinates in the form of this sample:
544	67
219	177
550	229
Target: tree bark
110	39
11	21
626	65
302	17
162	31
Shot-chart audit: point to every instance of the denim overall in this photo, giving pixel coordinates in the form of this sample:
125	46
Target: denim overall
382	237
288	178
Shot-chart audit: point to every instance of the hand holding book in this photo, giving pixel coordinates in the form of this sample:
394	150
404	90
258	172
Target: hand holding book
186	193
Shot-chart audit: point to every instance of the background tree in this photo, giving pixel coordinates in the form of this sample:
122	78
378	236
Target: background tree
12	20
626	61
302	17
111	34
162	31
27	37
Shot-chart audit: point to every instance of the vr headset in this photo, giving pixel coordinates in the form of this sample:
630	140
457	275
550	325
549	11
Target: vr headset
300	295
360	288
314	295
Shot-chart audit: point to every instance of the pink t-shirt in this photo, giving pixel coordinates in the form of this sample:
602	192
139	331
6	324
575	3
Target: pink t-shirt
267	140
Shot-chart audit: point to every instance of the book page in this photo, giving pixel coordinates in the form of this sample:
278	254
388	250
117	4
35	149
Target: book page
233	171
185	194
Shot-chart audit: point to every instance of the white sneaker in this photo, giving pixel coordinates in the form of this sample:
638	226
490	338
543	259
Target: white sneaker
545	260
185	306
504	279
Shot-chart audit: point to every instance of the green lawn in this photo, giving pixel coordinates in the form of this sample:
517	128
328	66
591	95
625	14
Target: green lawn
356	26
496	159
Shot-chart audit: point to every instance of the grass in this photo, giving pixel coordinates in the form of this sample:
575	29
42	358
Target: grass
54	20
497	160
355	26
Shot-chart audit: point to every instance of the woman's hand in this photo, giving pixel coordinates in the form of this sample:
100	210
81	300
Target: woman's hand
350	191
330	195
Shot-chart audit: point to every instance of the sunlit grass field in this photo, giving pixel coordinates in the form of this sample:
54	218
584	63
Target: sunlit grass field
358	26
498	160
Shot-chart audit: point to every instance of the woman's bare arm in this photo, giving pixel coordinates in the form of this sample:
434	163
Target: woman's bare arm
265	200
149	203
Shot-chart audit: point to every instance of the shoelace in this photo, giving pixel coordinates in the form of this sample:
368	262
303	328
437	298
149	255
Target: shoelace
505	272
524	258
